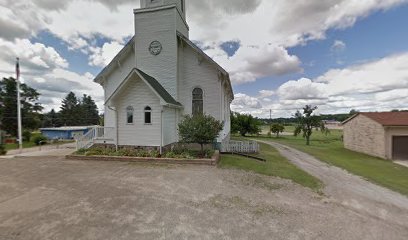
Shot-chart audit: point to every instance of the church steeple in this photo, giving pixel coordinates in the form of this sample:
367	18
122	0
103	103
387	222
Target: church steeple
157	24
157	3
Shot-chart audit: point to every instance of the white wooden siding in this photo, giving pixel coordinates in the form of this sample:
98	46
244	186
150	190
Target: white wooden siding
119	74
203	75
169	126
138	95
178	68
181	26
109	121
158	3
197	72
160	26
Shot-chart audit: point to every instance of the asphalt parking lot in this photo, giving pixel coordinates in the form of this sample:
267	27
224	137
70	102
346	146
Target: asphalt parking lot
53	198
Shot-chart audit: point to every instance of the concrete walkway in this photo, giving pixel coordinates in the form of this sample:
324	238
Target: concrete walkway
402	163
351	191
47	150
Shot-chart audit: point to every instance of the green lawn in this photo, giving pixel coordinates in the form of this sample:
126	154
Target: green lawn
330	149
276	165
288	128
15	145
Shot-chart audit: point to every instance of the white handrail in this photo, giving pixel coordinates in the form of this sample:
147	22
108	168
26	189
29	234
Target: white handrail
87	140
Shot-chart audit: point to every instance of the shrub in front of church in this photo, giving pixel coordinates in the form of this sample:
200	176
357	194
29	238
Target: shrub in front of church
124	152
188	154
201	129
181	153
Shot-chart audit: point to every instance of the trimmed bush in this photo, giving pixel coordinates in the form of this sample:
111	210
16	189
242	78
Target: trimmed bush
40	140
2	150
26	135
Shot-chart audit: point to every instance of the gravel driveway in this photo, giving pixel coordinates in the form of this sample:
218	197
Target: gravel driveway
53	198
351	191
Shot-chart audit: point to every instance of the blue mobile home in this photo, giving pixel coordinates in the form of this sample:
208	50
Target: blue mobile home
65	133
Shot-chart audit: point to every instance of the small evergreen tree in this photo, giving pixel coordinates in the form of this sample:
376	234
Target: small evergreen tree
201	129
89	111
70	110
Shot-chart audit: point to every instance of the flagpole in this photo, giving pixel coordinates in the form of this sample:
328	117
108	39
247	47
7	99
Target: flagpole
20	138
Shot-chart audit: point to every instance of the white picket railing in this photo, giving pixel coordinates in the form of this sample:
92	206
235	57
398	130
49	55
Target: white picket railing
96	133
240	147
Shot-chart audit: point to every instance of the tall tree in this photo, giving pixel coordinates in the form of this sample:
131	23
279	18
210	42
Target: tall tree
70	113
8	106
307	121
89	111
51	119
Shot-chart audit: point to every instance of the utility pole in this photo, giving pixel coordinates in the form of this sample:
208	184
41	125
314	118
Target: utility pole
20	138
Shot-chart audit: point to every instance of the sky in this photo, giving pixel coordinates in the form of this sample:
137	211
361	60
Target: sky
281	55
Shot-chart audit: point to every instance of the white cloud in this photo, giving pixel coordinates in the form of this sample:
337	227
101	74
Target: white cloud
371	86
56	84
103	56
338	46
379	85
266	93
101	20
257	23
245	104
392	95
34	57
45	70
376	76
302	89
250	63
279	22
265	29
272	26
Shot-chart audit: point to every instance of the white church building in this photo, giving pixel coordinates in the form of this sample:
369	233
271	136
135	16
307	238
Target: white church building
158	77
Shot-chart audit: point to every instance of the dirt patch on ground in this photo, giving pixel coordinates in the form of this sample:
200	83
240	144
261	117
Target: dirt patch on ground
51	198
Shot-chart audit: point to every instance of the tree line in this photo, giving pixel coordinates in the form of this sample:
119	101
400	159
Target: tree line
74	111
305	123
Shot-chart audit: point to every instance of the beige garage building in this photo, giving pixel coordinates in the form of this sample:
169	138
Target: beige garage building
380	134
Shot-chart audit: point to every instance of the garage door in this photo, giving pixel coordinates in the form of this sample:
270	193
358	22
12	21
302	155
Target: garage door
400	147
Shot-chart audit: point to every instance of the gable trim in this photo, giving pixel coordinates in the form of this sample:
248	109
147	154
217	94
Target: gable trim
350	118
165	98
209	59
112	65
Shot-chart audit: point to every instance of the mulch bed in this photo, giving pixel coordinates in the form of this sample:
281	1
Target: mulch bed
211	162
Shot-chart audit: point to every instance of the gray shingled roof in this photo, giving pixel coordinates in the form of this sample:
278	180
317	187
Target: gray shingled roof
158	88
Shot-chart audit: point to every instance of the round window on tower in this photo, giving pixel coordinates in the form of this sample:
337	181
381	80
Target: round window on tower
155	48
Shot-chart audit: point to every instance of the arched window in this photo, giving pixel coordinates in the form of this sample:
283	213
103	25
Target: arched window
182	5
129	115
148	115
198	102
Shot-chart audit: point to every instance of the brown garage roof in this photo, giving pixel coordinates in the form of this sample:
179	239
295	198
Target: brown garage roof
385	118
